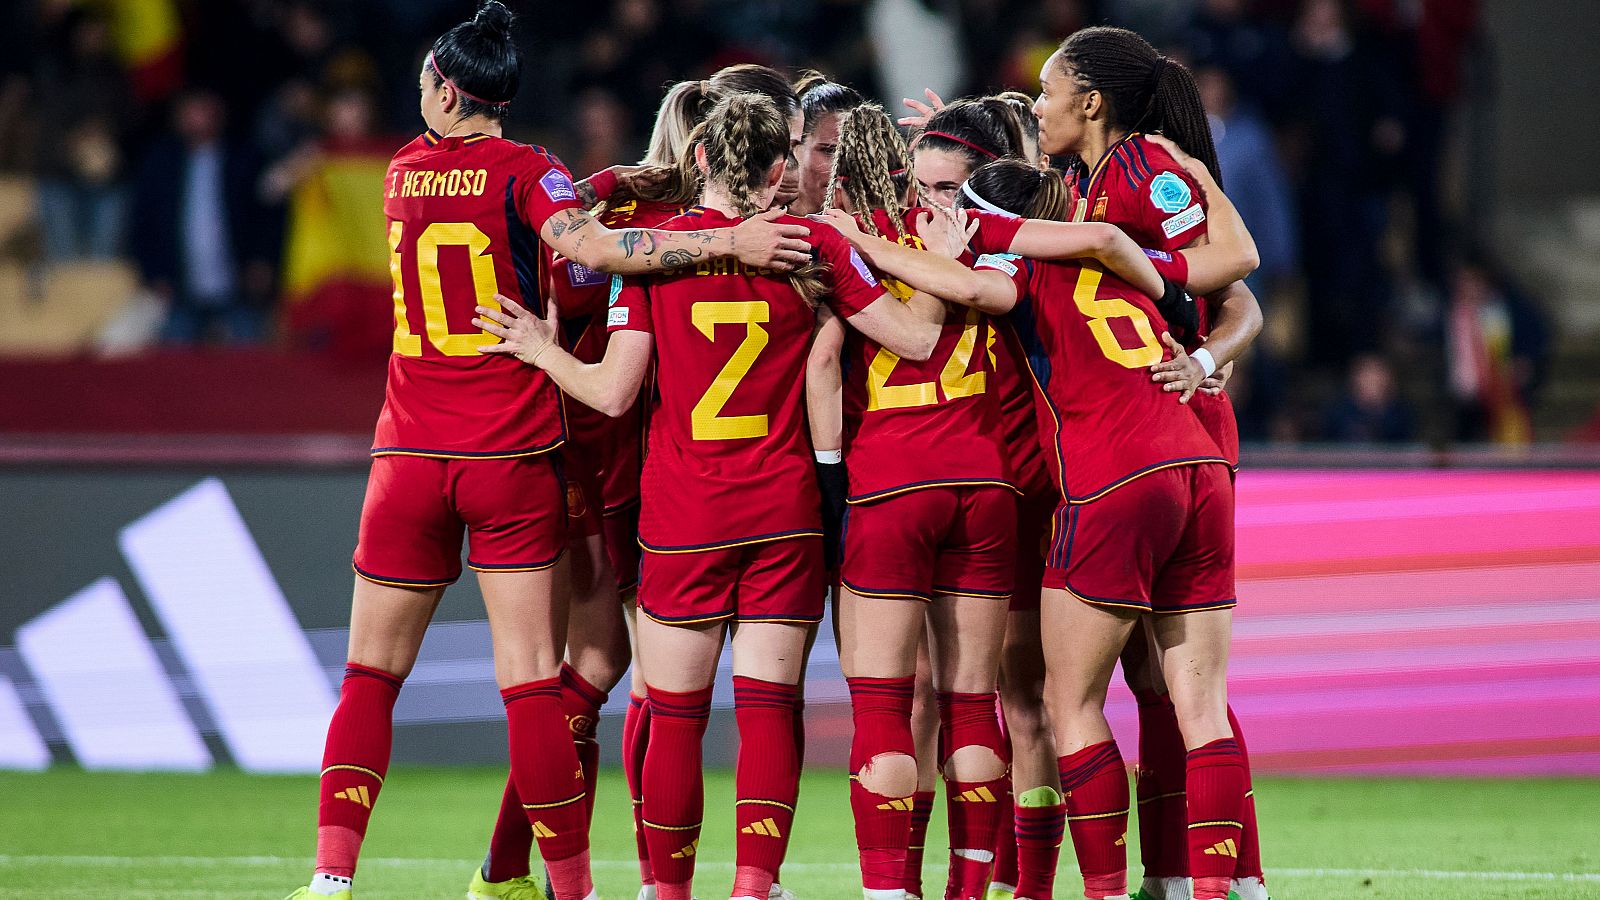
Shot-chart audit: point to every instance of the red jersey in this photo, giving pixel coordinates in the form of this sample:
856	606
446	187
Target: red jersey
1090	339
464	217
1141	189
910	425
729	460
581	295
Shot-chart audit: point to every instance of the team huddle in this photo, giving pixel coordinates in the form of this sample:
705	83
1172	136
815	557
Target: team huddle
970	386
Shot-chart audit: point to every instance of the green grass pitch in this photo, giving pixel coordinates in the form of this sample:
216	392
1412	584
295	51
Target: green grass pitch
68	834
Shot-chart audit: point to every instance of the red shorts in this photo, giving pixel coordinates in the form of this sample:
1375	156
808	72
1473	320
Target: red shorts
940	540
514	511
584	500
774	581
1035	511
1160	543
621	529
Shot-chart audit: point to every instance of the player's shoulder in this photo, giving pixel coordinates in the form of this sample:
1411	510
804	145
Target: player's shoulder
691	219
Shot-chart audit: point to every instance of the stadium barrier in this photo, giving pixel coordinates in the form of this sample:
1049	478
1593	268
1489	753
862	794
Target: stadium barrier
181	604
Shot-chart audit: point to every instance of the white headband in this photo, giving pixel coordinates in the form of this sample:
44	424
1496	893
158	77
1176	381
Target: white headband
966	188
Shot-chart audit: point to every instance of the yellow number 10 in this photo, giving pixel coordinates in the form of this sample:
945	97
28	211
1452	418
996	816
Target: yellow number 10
484	287
1101	309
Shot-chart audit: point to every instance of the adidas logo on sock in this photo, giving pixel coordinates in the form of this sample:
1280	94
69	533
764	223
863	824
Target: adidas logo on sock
975	795
357	794
541	830
1224	848
765	828
687	852
903	804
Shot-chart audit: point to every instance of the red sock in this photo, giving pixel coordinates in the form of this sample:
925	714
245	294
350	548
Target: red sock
511	841
1249	865
1005	842
799	750
1163	810
921	813
580	703
974	808
674	787
550	783
635	735
1095	785
1039	830
766	781
881	708
1216	780
354	761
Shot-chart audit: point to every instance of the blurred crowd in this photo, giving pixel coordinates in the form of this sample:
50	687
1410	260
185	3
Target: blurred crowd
233	151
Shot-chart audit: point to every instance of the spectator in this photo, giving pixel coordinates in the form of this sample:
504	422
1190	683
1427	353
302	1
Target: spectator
1252	52
1370	412
1253	177
198	214
80	89
1497	346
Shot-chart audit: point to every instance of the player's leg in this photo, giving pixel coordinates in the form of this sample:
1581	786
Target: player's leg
888	580
973	581
1161	802
780	603
1039	812
1039	815
680	663
1193	598
1100	571
408	549
685	601
386	628
925	739
635	738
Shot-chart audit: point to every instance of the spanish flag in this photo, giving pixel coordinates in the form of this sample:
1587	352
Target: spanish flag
148	35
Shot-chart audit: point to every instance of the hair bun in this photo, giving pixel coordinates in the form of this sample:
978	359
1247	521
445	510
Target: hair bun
494	18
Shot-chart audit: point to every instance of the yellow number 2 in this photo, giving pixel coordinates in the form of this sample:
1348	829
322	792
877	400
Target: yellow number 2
1099	310
953	378
706	421
484	287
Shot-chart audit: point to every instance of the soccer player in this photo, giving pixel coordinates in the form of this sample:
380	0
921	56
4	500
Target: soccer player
1145	522
821	103
730	520
464	441
954	141
1100	91
603	466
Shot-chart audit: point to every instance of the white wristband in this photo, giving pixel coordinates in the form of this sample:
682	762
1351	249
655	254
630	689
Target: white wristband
829	457
1203	356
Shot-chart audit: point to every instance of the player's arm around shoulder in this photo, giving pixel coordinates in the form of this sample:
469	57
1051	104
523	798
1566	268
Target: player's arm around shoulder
609	386
759	241
929	272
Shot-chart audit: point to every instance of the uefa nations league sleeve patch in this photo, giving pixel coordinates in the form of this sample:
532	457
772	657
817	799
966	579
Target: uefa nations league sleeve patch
557	186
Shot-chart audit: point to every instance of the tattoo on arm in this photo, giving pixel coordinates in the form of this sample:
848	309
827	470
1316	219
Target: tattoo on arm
586	194
673	259
637	239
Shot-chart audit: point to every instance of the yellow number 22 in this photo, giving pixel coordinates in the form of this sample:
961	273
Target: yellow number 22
707	422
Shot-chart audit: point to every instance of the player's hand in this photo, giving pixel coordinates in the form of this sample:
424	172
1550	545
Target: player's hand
844	222
947	232
635	180
764	242
1180	373
924	111
1194	167
1219	379
522	334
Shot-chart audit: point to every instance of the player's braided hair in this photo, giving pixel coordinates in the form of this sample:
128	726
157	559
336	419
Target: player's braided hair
683	108
1146	91
979	129
869	165
744	136
479	59
819	97
1019	189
